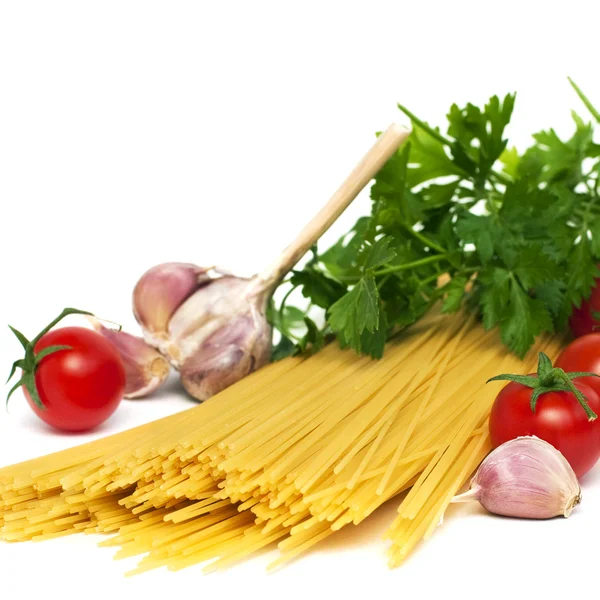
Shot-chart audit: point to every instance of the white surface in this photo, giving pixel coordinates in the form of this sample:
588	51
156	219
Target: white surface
132	133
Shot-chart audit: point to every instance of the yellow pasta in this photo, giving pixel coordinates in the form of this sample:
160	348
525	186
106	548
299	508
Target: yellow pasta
292	454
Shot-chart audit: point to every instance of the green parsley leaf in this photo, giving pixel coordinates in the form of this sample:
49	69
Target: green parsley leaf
373	343
510	160
314	339
505	303
534	268
428	159
495	294
523	320
594	229
341	258
580	277
480	231
553	160
390	187
404	299
552	294
286	319
479	134
454	294
284	348
438	195
378	254
356	312
321	289
523	229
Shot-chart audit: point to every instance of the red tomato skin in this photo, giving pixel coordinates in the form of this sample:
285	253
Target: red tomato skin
583	354
79	388
559	420
582	322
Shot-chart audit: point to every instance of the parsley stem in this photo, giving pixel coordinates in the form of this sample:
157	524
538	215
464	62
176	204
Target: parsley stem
285	298
434	133
412	265
585	214
589	209
585	100
283	327
425	240
491	205
500	177
383	281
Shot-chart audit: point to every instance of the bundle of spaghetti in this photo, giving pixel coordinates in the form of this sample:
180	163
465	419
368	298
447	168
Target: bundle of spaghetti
431	422
292	454
40	498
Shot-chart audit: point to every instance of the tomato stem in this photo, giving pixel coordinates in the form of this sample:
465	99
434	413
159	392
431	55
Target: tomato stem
551	379
30	362
592	416
65	313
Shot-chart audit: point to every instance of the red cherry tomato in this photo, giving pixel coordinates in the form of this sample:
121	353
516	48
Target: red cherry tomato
583	354
582	320
81	387
559	419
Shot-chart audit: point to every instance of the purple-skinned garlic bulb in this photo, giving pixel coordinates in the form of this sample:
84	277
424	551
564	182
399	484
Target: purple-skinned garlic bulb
218	335
216	305
159	293
525	477
212	326
146	369
228	354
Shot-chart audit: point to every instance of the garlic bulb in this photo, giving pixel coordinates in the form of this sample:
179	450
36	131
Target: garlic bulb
213	326
231	352
525	477
160	292
206	311
145	368
217	335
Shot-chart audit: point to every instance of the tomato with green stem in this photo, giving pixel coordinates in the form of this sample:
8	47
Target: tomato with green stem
73	378
553	405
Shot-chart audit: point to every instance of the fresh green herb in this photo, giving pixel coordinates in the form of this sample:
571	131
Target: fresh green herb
518	235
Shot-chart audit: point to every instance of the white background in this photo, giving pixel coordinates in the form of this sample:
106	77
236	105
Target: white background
133	133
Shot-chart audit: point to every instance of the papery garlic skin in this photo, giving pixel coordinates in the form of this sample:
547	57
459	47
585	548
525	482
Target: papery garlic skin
160	292
211	308
217	335
145	368
525	477
231	352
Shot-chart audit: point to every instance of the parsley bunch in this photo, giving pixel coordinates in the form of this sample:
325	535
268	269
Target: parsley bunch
524	229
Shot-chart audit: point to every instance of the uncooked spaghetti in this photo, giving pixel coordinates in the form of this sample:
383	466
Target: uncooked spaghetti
292	454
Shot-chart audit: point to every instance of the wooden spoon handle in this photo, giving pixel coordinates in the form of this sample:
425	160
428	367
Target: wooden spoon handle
385	146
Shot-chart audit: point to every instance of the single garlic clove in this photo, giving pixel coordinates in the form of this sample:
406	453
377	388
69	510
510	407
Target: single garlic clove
227	355
145	368
160	292
525	477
